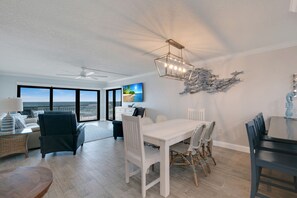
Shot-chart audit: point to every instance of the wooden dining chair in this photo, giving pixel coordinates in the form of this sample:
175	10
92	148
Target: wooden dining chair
271	160
190	154
194	114
208	142
138	154
272	145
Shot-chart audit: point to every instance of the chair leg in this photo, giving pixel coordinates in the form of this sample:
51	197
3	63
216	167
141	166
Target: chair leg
204	159
210	152
127	171
143	183
82	145
295	183
194	170
153	167
43	155
254	181
74	152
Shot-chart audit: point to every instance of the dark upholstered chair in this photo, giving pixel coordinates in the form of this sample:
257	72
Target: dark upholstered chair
60	132
269	159
118	125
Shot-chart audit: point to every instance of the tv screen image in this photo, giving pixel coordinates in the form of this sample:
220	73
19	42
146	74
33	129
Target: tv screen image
133	93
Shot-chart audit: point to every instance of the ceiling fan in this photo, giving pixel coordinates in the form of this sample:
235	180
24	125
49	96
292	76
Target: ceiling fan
84	74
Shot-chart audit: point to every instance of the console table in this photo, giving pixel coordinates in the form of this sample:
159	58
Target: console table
123	110
14	142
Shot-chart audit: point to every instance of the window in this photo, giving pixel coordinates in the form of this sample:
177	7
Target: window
64	100
85	103
113	99
89	108
34	99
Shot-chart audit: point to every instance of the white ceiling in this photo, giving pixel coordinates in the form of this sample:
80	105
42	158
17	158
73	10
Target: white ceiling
60	36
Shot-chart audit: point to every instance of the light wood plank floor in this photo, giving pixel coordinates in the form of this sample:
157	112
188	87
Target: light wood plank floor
98	170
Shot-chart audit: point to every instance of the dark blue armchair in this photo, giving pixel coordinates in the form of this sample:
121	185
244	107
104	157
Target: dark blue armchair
60	132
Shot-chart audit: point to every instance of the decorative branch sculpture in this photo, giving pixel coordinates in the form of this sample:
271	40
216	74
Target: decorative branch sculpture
203	80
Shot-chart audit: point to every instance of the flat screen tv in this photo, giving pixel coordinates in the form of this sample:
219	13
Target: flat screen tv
133	93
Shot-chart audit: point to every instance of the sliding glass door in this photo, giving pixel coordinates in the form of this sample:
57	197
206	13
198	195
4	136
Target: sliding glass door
113	99
88	105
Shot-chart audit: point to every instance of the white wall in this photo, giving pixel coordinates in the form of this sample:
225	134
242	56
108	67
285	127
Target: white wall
266	80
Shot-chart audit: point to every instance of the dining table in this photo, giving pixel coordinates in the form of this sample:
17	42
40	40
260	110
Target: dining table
164	134
283	129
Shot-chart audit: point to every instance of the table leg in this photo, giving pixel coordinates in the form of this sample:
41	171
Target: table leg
164	170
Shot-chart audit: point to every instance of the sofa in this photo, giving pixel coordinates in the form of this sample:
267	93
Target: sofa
118	125
33	138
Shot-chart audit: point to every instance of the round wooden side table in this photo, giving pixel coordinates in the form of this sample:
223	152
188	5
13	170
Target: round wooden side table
25	182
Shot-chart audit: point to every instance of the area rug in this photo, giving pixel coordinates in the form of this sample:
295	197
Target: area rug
93	133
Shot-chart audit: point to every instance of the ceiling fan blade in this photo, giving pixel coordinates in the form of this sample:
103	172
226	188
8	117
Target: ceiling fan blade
78	77
104	71
66	75
99	76
92	78
90	73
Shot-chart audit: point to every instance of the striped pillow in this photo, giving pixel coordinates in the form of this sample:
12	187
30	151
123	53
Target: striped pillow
19	124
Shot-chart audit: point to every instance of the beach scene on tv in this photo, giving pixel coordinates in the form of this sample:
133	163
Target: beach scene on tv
133	93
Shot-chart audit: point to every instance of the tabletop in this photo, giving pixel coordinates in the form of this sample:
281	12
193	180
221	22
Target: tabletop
283	128
17	132
171	128
25	182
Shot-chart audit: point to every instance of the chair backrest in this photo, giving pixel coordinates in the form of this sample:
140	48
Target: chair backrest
196	138
209	131
261	123
194	114
258	131
161	118
57	124
133	140
251	132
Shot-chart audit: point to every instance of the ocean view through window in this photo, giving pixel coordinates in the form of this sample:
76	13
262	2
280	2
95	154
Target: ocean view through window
88	105
85	103
113	99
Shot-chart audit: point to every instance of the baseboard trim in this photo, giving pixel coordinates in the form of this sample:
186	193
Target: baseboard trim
235	147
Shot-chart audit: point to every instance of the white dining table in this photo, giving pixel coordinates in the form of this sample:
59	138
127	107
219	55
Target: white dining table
165	134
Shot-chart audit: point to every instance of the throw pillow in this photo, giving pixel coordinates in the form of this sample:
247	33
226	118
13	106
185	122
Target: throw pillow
19	124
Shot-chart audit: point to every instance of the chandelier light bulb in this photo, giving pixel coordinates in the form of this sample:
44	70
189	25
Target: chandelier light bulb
179	69
170	66
175	67
184	70
165	65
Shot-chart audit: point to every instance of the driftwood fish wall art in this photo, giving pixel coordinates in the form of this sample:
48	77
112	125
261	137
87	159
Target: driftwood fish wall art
203	80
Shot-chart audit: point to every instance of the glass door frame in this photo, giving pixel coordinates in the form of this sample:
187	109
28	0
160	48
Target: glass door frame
113	102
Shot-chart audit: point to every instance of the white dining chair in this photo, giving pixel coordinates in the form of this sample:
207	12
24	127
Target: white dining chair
208	142
161	118
136	153
190	154
194	114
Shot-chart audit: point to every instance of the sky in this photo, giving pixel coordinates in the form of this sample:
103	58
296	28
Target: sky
59	95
